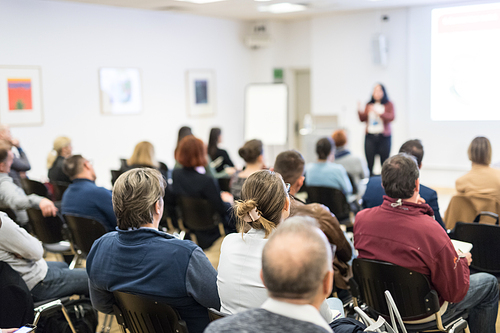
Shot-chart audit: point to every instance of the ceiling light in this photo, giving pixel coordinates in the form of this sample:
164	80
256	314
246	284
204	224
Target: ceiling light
200	2
280	8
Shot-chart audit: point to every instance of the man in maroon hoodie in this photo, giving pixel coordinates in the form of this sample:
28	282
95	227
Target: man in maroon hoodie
402	231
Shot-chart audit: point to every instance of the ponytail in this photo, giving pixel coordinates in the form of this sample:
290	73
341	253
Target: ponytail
249	215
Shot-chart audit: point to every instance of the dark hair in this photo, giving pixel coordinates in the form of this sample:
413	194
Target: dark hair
251	151
415	148
384	100
290	165
73	165
191	152
183	132
480	151
399	174
324	148
213	140
3	154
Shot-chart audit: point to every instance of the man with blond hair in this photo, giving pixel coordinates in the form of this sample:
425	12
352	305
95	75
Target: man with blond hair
140	259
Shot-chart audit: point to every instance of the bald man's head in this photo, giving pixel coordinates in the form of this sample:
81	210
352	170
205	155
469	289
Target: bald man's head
296	259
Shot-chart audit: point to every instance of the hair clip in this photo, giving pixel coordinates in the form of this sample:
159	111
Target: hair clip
252	215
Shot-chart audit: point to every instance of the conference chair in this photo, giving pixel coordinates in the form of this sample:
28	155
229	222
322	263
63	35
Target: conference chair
224	184
17	307
84	232
332	198
486	249
215	314
200	218
59	188
141	314
52	232
34	187
464	208
412	293
114	176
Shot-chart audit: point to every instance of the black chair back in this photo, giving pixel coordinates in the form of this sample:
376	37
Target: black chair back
140	314
224	184
411	290
84	231
49	229
10	213
16	305
215	314
486	249
114	176
198	214
59	188
34	187
332	198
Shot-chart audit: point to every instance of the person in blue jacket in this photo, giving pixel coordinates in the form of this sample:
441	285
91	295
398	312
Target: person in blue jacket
374	191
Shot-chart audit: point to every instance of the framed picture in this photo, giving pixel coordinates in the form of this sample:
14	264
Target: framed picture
200	92
20	96
120	90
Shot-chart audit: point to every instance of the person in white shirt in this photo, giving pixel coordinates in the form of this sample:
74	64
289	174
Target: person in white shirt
297	278
265	204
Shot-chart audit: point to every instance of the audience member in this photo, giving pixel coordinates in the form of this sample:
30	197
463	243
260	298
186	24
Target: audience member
290	165
216	153
62	149
265	205
402	231
481	180
374	194
144	156
20	164
139	259
192	181
354	165
83	197
326	173
45	279
252	153
296	291
14	197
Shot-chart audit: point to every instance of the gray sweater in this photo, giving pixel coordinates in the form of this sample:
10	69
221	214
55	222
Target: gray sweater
260	320
13	197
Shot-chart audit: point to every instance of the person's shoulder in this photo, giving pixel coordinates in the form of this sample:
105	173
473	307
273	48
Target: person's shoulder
241	322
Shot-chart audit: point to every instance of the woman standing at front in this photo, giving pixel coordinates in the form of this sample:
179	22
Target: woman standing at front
378	115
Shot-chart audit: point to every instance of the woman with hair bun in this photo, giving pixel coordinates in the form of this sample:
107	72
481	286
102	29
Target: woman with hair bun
61	149
252	153
265	204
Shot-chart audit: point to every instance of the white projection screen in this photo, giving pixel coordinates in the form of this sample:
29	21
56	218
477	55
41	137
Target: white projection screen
465	63
266	113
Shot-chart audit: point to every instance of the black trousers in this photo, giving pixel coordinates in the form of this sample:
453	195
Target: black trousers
376	144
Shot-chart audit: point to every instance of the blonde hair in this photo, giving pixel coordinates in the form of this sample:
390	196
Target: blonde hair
135	194
480	151
144	154
59	143
265	191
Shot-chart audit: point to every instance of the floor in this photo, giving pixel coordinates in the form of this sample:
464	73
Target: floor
213	253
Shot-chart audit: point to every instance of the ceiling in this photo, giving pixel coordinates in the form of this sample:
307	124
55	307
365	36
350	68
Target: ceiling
247	9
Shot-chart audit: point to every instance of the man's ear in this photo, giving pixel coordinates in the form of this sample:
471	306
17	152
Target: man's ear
271	169
159	207
328	283
262	277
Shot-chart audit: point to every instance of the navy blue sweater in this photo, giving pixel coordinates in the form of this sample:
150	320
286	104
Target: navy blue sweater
84	198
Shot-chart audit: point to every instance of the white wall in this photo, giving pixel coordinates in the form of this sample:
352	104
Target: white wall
71	41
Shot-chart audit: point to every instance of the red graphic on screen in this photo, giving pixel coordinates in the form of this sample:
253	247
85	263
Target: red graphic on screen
19	94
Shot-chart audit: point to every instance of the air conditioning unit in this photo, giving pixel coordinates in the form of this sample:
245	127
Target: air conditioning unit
259	37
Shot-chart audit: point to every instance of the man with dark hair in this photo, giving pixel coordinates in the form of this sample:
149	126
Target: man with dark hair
402	231
140	259
83	197
295	291
14	197
290	164
375	191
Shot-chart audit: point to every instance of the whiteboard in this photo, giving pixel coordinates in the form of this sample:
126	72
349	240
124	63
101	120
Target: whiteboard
266	113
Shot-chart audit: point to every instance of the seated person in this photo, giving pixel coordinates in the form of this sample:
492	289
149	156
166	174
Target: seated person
374	194
21	164
265	205
354	165
14	197
252	153
139	259
192	181
296	291
481	180
55	161
326	173
144	156
45	279
290	165
402	231
215	153
83	197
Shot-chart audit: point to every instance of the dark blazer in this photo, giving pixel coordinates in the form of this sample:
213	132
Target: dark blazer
56	173
374	196
226	160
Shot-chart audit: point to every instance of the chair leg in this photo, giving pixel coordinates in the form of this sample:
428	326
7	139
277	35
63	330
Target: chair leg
106	325
65	313
75	260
